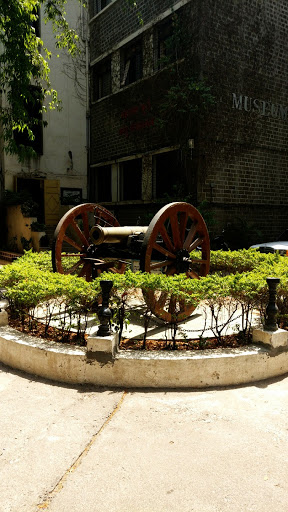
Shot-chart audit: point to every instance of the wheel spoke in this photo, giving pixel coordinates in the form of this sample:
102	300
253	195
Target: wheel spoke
195	260
196	243
71	242
160	264
103	265
164	251
183	218
85	271
175	231
171	271
190	236
79	233
86	224
116	270
72	255
166	239
192	274
75	267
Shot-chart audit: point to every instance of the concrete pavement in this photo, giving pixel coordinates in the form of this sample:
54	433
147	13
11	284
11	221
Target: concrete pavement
66	449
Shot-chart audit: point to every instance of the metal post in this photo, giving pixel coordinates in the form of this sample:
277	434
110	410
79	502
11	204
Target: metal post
271	310
104	313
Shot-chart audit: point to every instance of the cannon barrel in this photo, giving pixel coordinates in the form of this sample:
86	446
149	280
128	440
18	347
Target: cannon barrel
164	246
114	234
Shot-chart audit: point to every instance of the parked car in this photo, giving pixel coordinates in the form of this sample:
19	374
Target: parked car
281	245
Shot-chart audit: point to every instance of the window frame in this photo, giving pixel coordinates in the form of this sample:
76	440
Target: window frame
99	71
122	179
98	6
117	181
132	60
157	178
163	54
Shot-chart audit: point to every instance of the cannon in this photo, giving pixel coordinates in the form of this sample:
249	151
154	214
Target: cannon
89	240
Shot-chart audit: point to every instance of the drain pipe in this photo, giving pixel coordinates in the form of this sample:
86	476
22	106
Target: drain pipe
86	37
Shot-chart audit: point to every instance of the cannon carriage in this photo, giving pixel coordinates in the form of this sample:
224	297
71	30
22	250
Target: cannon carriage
89	240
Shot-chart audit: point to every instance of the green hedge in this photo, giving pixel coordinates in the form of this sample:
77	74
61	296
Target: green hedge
239	276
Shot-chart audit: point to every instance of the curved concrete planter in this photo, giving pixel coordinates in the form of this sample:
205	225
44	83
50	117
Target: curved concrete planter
139	369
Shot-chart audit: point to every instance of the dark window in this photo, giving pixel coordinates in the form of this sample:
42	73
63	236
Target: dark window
34	188
100	187
164	44
168	43
131	180
33	111
101	77
132	63
169	175
98	5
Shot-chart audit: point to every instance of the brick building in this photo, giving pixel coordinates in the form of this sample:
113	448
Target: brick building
191	104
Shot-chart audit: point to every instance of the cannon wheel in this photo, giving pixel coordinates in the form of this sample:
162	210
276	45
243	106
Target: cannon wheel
72	245
175	231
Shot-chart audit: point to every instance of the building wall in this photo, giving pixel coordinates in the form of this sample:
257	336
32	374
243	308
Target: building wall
66	129
238	163
243	141
117	22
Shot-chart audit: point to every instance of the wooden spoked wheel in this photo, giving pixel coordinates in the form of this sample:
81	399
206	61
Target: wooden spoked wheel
72	250
175	231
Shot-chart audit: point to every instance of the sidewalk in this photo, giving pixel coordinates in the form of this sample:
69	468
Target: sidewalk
65	449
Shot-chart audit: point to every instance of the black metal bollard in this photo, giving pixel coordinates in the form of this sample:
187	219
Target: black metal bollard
271	310
104	313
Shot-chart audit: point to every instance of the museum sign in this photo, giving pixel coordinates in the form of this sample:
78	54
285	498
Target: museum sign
261	107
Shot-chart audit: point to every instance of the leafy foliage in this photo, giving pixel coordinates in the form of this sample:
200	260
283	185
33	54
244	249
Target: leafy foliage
31	284
238	282
24	60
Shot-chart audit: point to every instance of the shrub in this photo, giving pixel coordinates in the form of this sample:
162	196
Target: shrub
239	281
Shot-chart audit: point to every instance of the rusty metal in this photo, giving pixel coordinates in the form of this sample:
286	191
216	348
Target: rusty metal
89	240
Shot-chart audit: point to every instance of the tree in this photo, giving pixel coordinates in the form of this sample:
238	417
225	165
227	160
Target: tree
24	61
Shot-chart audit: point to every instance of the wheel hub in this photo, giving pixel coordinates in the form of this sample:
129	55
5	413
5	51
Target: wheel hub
183	261
90	251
